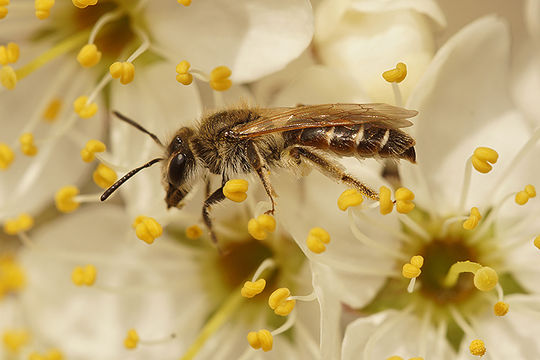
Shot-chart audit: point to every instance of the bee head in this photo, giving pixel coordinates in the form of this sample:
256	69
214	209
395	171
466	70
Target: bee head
179	166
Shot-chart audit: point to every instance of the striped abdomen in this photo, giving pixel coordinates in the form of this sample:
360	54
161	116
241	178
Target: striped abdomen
363	140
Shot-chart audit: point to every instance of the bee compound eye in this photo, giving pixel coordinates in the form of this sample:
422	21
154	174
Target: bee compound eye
177	166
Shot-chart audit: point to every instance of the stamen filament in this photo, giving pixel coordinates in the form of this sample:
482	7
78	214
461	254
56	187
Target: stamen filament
309	297
102	21
489	219
165	339
413	225
145	44
88	198
398	99
466	184
383	226
462	323
446	224
266	264
291	319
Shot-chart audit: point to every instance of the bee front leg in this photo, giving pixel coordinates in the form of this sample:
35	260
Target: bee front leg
214	198
261	168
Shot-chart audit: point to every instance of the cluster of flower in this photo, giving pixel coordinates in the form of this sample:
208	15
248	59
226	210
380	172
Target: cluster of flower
452	273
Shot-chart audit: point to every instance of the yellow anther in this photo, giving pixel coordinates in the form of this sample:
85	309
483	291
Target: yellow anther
236	189
417	261
219	78
473	220
64	199
500	308
43	8
404	198
9	54
316	239
185	3
84	275
410	271
183	76
28	147
104	176
260	227
6	156
536	242
348	198
279	303
261	339
385	201
485	279
250	288
54	354
523	196
89	55
36	356
52	110
395	357
3	11
125	71
14	340
194	232
131	340
84	109
147	229
396	74
482	159
8	78
91	148
21	223
12	276
477	348
81	4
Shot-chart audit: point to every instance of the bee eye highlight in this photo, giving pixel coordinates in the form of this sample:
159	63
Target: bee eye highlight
177	166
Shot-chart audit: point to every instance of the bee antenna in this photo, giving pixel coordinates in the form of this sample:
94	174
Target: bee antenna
126	177
138	127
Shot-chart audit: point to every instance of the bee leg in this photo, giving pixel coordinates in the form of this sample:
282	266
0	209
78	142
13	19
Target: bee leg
214	198
335	171
261	168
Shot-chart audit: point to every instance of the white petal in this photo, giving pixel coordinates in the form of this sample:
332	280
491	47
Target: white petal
427	7
532	18
253	38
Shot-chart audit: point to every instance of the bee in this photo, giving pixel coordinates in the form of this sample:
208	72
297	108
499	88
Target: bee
255	140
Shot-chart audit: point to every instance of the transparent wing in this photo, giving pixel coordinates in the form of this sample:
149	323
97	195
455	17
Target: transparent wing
281	119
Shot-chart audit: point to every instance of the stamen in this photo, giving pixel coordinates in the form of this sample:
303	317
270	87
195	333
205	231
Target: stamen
219	78
194	232
147	229
9	54
236	189
309	297
145	44
84	108
500	308
8	77
125	71
89	150
89	55
53	354
279	302
260	227
536	242
477	348
485	278
6	156
102	21
473	219
21	223
395	357
12	276
404	198
51	111
84	275
348	198
397	74
131	340
81	4
523	196
64	199
411	270
3	8
14	340
183	76
104	176
385	201
261	339
28	147
184	2
265	265
316	239
482	159
43	8
252	288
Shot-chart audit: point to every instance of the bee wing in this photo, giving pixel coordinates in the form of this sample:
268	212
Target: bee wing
281	119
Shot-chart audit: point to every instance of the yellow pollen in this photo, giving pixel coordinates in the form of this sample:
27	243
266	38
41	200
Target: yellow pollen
3	10
81	4
132	339
89	55
316	239
252	288
500	308
194	232
482	159
485	279
219	78
183	76
43	8
147	229
92	147
477	348
236	189
396	74
385	201
279	303
64	199
348	198
404	198
260	227
9	54
8	78
21	223
52	110
6	156
125	71
536	242
12	276
417	261
410	271
104	176
28	147
14	340
523	196
84	275
261	339
473	220
395	357
83	109
184	2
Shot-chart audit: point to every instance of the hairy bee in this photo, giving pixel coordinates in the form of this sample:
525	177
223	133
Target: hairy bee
253	140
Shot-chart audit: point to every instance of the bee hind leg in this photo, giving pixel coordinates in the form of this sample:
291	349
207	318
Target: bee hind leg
329	168
216	197
261	168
